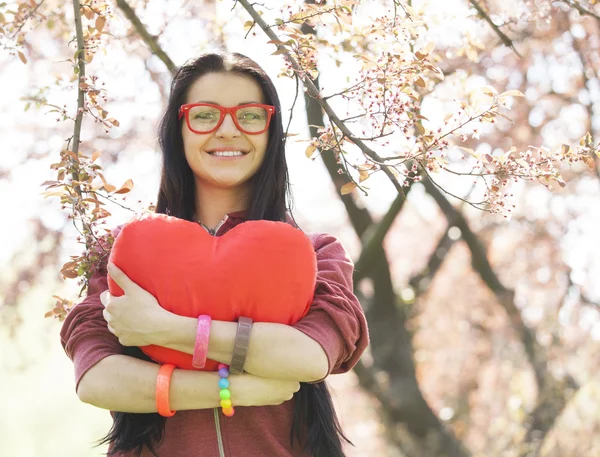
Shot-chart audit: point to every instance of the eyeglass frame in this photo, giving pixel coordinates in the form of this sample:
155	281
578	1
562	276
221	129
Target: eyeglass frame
185	110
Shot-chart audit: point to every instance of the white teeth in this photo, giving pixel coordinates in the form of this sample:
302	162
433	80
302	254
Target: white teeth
227	153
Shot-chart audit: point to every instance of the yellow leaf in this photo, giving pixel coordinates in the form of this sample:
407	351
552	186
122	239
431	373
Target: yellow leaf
347	188
310	150
100	21
363	175
125	187
22	57
590	162
95	155
55	193
488	90
420	82
512	93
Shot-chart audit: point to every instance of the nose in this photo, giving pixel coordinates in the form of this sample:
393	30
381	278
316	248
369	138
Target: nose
227	129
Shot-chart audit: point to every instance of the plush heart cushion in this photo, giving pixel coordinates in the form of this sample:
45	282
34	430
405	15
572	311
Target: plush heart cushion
260	269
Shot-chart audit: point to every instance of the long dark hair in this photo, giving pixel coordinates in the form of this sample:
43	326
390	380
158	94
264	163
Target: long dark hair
315	422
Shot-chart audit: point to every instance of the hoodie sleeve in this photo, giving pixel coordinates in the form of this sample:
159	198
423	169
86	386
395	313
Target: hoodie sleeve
335	319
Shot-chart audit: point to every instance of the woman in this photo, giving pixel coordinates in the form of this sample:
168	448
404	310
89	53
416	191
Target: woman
220	167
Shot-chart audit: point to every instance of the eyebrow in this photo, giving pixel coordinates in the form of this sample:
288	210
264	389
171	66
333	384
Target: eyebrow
215	103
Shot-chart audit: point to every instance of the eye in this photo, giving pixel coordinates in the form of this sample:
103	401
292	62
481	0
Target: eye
250	116
207	116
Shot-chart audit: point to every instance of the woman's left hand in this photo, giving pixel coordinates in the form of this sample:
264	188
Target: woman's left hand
136	317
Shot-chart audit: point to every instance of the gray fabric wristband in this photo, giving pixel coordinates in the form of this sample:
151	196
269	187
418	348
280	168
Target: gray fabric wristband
240	350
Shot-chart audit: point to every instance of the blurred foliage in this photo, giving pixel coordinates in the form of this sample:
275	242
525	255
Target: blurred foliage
485	330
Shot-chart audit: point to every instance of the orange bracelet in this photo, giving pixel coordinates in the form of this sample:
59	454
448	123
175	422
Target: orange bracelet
163	382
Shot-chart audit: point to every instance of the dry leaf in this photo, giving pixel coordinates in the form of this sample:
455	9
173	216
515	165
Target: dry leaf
125	187
590	162
310	150
512	93
100	22
22	57
347	188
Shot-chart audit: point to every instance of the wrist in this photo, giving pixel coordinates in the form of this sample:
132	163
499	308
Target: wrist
178	333
222	341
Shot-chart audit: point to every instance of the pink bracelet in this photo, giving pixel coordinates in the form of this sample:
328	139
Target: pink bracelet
201	346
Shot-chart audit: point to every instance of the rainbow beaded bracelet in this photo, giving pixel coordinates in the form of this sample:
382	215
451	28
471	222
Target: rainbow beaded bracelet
225	393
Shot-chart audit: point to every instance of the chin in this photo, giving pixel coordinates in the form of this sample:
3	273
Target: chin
229	183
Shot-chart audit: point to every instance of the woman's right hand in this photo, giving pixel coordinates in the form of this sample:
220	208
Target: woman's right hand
250	390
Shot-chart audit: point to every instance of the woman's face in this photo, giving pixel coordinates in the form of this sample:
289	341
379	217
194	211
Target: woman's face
228	90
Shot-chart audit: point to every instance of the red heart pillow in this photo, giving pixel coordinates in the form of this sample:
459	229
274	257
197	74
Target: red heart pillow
260	269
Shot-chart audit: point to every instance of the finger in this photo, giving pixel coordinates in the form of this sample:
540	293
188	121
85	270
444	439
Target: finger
119	277
106	316
105	297
111	330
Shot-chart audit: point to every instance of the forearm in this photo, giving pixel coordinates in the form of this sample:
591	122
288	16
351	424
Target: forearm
127	384
276	351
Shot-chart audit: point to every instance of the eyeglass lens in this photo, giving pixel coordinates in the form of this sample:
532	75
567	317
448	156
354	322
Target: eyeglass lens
250	119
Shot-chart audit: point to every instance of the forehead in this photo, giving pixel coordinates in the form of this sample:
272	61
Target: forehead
227	89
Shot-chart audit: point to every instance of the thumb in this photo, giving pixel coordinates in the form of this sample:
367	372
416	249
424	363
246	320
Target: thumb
104	297
119	277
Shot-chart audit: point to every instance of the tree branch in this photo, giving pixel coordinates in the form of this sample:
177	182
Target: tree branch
482	265
581	9
150	40
403	406
80	79
507	41
315	93
372	239
422	280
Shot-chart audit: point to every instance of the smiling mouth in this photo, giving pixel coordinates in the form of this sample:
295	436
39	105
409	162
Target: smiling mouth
227	153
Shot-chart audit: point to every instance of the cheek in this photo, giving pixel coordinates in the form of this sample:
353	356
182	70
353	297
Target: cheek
262	144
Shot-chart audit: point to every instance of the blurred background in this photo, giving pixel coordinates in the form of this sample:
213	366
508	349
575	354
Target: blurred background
485	330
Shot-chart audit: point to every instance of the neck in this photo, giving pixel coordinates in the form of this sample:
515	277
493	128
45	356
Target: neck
212	204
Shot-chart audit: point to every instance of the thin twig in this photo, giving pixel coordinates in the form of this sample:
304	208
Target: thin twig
292	111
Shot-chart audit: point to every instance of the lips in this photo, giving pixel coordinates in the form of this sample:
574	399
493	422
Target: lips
229	152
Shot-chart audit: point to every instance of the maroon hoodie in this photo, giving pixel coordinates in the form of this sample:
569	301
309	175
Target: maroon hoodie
335	320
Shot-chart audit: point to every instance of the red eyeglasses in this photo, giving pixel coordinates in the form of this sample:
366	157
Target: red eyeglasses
202	118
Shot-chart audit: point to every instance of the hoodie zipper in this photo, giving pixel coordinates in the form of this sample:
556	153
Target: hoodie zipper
219	437
216	410
216	229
